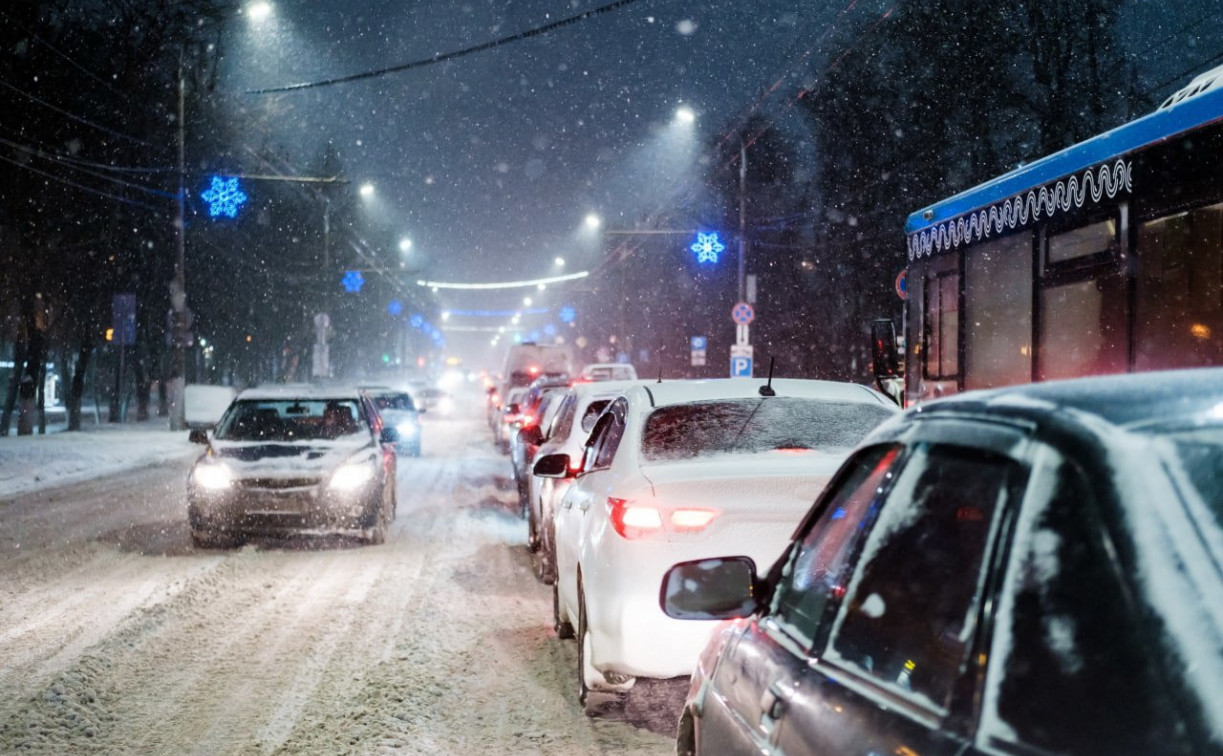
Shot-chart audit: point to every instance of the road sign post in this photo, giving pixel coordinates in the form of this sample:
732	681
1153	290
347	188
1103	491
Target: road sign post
741	361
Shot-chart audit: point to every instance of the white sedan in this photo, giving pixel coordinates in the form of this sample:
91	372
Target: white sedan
684	470
566	434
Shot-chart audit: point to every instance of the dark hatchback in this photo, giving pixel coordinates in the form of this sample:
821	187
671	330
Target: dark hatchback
1035	570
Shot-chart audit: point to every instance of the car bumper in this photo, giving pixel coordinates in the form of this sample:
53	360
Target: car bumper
262	512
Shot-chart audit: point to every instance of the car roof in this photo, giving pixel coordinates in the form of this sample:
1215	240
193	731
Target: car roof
299	391
1124	401
685	391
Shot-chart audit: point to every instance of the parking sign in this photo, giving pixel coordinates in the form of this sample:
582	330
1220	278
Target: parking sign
741	361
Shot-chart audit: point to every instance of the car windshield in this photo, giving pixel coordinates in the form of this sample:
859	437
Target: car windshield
1199	454
291	420
746	426
399	401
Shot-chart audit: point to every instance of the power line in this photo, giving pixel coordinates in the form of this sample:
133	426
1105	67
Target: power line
67	58
73	116
443	57
82	187
59	161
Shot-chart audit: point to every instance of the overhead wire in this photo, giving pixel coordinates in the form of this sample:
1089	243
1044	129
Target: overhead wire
82	187
51	158
443	57
67	57
75	117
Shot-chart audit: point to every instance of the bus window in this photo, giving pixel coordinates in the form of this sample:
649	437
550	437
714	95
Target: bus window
998	312
942	325
1079	243
1179	291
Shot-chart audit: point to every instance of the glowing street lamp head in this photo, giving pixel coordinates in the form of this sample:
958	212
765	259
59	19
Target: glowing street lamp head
405	243
259	11
685	114
593	221
559	262
366	190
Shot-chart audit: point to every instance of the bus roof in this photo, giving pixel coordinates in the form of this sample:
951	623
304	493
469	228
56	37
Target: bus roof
1197	109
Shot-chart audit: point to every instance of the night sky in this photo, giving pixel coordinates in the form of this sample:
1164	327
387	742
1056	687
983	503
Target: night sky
490	162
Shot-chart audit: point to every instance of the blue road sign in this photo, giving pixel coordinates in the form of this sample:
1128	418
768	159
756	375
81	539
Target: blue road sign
740	367
698	343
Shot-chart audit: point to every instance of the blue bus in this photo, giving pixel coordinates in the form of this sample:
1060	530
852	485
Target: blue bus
1106	257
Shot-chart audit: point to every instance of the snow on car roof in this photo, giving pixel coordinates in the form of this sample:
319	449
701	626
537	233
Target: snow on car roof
679	392
299	391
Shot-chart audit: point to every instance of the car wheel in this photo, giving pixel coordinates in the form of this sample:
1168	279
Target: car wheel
210	539
532	531
585	670
564	630
376	535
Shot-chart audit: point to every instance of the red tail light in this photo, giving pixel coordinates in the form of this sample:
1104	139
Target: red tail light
632	520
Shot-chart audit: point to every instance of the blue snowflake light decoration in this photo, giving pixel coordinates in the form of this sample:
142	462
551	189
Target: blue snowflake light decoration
417	321
707	247
567	314
394	307
353	281
223	197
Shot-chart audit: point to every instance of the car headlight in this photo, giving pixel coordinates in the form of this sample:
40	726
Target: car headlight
214	476
445	405
407	430
353	475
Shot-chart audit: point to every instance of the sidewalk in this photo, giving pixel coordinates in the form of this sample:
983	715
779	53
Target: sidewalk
29	463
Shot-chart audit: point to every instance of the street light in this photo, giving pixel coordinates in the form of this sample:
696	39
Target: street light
405	245
366	190
259	11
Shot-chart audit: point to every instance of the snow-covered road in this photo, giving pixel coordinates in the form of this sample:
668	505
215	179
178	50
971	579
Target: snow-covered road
116	636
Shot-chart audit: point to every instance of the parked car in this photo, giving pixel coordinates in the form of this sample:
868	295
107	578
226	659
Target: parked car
286	461
608	371
528	429
435	400
566	433
658	458
399	411
1033	570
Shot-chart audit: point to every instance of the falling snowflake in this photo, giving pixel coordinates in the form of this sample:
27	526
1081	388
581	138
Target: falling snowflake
353	281
223	197
707	247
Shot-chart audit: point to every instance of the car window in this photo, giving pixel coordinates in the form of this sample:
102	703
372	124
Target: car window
605	439
1068	672
592	412
402	402
685	431
815	574
910	611
291	420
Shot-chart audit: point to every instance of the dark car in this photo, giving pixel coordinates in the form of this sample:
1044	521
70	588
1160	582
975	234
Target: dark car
1027	571
287	461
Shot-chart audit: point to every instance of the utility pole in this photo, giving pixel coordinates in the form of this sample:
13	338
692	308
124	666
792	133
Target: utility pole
178	290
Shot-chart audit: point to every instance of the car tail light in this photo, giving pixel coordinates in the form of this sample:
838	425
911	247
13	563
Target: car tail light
633	520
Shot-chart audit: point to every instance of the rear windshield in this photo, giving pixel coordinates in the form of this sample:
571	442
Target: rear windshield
745	426
291	420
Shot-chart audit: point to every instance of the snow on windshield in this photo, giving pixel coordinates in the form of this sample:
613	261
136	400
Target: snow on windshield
744	426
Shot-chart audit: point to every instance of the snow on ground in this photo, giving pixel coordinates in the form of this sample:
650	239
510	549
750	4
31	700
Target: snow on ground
28	463
118	636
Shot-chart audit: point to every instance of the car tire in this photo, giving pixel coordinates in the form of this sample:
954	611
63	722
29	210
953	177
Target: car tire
376	535
532	531
563	628
584	668
210	539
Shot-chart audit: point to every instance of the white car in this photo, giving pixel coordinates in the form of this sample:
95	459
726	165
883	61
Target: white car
684	470
564	432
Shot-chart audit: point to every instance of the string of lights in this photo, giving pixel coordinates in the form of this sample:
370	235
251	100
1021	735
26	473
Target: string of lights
443	57
504	284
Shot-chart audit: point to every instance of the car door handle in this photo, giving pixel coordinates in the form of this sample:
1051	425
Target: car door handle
773	704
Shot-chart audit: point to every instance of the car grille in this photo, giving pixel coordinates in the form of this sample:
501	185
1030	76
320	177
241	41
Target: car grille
278	484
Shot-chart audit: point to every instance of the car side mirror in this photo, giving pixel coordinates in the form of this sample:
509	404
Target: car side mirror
552	466
198	436
710	589
389	435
